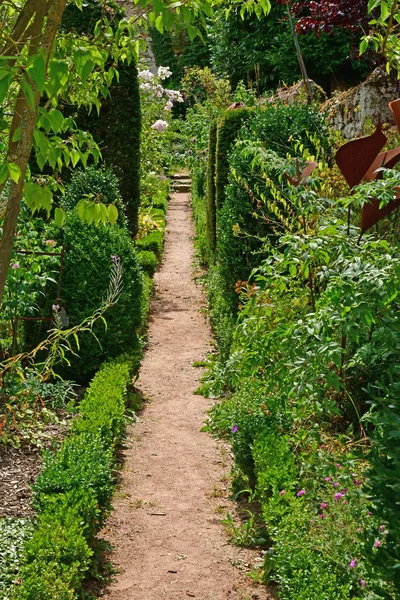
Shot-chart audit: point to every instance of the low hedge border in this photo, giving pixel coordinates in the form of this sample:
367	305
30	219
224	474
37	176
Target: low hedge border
72	495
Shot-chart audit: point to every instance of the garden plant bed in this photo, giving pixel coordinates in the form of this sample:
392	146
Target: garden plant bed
18	469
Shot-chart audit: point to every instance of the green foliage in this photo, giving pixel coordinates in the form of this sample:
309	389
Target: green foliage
176	50
211	191
83	461
13	536
200	215
261	52
227	131
73	492
88	256
98	185
312	365
56	559
152	242
148	261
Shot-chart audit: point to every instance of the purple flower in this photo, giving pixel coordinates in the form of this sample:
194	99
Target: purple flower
362	583
282	492
357	482
377	543
323	505
336	484
369	513
15	266
328	478
338	495
234	429
353	563
322	516
301	493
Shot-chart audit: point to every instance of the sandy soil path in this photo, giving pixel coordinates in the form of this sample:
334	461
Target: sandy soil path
169	542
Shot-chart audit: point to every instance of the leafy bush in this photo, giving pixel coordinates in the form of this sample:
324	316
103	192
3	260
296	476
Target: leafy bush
83	461
211	191
88	252
56	559
228	127
72	494
152	242
148	261
105	418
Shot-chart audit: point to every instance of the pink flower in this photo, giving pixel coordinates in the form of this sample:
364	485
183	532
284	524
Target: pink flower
328	478
353	563
301	493
338	496
322	516
377	543
160	125
338	465
369	513
15	266
362	583
357	482
50	243
354	474
282	492
55	307
336	484
323	505
381	527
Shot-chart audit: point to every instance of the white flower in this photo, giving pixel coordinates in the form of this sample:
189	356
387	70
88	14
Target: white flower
164	72
169	105
174	95
146	87
146	75
160	125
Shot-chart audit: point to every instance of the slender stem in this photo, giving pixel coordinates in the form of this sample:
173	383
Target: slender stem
300	55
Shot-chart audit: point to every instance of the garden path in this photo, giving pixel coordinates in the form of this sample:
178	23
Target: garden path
166	531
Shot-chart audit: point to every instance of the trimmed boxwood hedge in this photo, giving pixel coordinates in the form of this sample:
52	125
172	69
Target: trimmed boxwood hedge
72	494
210	191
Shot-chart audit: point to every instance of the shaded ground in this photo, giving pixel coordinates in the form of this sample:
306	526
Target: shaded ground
18	469
166	530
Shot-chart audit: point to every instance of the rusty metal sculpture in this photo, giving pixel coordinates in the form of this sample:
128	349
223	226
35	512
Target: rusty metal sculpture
362	159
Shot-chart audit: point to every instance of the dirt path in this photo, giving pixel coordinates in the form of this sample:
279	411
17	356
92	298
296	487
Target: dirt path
169	542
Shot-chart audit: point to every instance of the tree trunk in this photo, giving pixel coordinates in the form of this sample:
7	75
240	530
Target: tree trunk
42	30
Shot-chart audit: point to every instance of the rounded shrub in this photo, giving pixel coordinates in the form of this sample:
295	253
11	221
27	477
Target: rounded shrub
85	281
148	261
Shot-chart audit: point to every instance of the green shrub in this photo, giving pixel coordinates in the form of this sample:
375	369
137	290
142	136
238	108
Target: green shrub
57	558
198	202
83	462
148	261
152	242
228	127
81	501
210	191
85	281
148	288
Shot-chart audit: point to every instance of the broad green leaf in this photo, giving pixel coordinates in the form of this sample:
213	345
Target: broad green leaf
17	135
37	72
3	173
59	216
4	85
14	172
159	24
112	214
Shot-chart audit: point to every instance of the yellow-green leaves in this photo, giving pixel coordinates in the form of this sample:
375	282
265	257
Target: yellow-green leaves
90	211
38	197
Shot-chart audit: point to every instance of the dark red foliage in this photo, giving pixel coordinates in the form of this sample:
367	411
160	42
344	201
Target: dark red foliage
327	15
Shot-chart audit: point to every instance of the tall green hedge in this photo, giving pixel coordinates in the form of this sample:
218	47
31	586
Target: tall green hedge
210	192
228	128
117	128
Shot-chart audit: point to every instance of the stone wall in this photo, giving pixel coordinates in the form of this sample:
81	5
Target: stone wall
368	101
